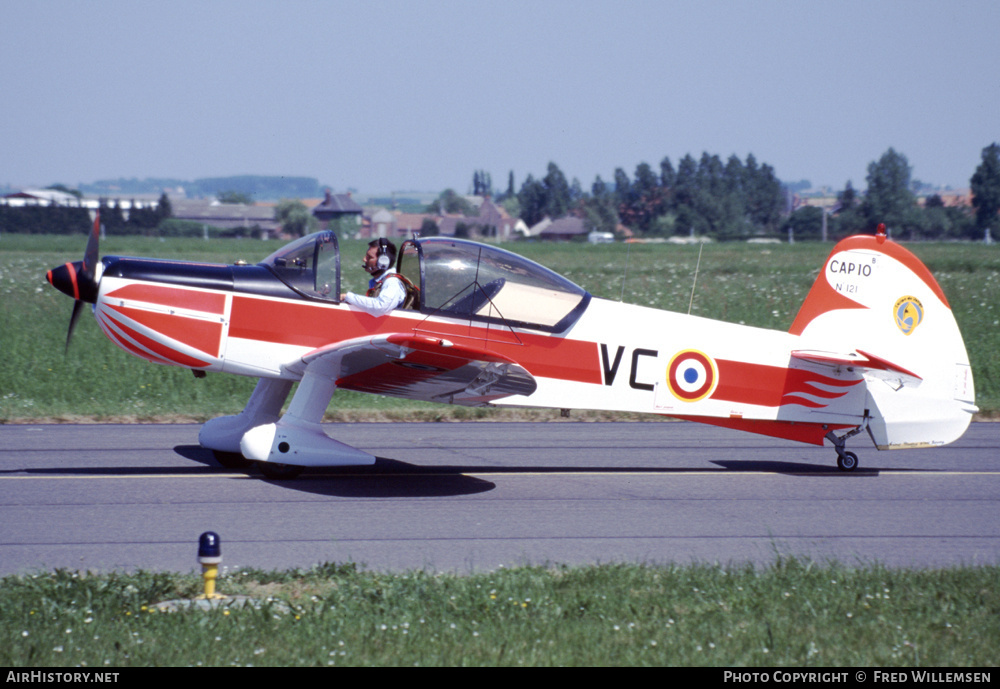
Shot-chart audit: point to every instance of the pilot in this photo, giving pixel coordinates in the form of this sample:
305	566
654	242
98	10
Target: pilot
386	289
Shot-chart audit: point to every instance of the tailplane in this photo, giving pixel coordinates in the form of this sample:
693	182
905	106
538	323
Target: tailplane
875	307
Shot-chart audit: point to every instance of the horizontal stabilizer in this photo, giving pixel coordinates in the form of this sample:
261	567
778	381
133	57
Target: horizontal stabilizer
869	364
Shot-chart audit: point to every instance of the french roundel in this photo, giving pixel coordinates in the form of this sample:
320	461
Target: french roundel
692	375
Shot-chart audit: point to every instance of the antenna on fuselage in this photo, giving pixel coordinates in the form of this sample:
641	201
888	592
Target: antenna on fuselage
628	248
701	245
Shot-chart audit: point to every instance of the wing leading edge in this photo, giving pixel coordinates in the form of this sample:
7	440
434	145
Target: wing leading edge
420	367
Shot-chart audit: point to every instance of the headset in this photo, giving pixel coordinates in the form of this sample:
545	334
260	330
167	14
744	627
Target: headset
383	261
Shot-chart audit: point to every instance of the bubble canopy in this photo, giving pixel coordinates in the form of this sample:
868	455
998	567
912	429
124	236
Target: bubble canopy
456	278
476	281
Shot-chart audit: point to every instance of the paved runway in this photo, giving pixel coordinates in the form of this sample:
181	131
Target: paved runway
477	496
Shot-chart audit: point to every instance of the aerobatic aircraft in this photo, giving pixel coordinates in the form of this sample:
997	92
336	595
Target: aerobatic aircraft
874	348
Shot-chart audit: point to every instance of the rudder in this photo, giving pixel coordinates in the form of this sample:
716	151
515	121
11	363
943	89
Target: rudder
877	303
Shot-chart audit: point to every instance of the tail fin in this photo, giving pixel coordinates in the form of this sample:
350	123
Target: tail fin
876	306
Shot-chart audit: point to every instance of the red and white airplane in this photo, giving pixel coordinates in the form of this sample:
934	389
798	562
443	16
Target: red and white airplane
874	348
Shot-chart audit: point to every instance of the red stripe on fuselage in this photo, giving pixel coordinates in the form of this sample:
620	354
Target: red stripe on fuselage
204	336
318	325
173	297
772	386
158	348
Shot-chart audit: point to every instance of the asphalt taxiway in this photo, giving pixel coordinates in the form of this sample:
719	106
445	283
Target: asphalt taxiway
477	496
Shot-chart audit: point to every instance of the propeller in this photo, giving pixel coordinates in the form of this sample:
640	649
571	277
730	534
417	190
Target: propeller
79	279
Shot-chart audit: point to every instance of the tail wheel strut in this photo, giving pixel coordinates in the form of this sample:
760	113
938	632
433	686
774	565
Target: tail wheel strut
847	461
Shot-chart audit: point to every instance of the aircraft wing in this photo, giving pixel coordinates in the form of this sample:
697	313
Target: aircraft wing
868	364
420	367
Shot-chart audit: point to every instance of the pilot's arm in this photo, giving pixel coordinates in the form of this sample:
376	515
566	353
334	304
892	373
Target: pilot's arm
390	297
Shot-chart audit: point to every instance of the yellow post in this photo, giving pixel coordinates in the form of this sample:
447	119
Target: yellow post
209	555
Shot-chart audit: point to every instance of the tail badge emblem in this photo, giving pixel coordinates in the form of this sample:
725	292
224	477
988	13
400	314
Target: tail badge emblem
908	312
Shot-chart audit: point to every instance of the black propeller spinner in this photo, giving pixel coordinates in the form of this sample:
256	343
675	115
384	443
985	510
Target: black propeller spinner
79	278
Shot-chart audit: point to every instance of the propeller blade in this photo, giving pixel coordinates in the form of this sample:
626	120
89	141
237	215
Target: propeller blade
77	305
92	254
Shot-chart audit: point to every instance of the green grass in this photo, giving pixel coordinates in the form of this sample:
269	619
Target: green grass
760	285
794	613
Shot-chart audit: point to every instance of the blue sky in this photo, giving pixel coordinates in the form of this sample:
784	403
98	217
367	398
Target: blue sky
387	95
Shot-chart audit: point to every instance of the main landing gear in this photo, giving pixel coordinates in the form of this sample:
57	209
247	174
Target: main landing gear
846	460
281	446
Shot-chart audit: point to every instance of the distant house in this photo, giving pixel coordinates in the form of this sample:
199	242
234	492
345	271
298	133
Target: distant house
55	197
335	209
409	224
382	223
229	216
41	197
492	222
396	224
536	229
565	228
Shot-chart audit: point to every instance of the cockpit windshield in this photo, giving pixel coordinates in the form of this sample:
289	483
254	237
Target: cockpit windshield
310	265
456	278
483	282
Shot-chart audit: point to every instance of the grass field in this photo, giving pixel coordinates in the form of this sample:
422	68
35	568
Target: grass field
760	285
794	614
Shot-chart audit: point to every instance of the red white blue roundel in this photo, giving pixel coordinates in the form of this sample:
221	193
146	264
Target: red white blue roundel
692	375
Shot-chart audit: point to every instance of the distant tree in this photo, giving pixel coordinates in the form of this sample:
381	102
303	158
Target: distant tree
511	192
112	217
848	197
164	208
532	198
765	199
232	196
143	220
668	177
511	205
985	184
622	190
598	209
482	183
294	217
448	201
557	192
686	181
847	221
429	228
645	200
687	197
889	199
805	223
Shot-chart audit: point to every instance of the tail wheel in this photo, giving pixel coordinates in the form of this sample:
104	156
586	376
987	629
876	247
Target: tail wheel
847	461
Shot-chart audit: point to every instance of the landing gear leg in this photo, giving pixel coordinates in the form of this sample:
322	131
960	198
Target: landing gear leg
847	461
297	439
222	435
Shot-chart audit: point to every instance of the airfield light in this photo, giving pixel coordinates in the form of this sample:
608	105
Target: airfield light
210	555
